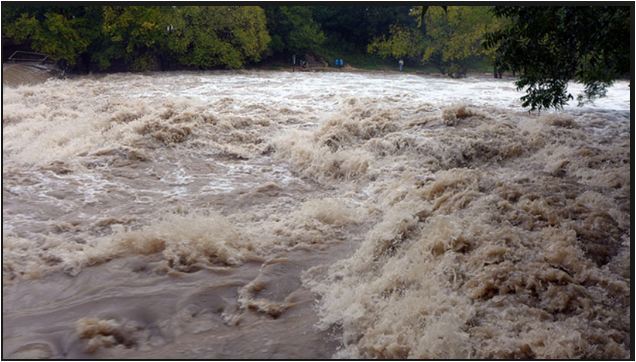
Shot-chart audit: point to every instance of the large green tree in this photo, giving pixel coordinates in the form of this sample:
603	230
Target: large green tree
134	34
293	30
140	37
454	36
211	36
549	46
401	42
63	32
449	38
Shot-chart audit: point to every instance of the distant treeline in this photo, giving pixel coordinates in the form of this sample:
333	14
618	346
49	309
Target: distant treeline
141	38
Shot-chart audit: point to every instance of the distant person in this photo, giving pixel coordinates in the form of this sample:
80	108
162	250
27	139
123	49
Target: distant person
401	63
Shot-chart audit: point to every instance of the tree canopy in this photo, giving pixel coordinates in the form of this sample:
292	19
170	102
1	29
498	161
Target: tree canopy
454	35
293	29
142	37
210	36
549	46
449	38
62	32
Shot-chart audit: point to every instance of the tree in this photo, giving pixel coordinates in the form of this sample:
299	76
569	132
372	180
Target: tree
452	40
140	37
402	42
61	32
454	36
422	17
211	36
293	29
549	46
135	34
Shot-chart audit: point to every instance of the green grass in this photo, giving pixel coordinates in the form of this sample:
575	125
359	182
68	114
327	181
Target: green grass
361	60
482	66
376	63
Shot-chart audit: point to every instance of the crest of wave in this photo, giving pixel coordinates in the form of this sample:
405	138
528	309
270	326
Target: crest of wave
517	257
64	121
185	243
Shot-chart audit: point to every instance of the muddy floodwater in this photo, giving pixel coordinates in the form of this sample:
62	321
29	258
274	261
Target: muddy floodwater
312	215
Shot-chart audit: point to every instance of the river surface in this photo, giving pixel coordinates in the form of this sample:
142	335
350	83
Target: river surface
312	215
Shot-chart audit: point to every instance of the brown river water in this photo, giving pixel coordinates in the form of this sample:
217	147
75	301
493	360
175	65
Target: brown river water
312	215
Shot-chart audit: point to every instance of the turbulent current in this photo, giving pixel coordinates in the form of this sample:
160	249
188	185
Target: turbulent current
312	215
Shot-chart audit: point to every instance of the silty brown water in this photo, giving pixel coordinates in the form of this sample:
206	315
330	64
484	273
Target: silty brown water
298	215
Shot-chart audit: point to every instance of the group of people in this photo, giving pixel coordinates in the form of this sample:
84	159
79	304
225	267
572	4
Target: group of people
339	63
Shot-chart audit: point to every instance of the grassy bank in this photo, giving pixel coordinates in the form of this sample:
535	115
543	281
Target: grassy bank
359	61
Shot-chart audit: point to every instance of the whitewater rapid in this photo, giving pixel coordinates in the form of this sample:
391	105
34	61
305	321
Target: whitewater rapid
259	214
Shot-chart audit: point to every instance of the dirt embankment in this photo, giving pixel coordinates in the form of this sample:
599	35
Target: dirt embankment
15	74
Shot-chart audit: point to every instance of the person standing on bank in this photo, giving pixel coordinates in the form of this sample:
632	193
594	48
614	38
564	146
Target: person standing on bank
401	62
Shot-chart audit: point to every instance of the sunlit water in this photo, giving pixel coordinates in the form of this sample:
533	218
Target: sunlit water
311	215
